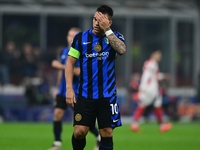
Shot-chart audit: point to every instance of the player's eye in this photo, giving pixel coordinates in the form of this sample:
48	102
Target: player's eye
95	18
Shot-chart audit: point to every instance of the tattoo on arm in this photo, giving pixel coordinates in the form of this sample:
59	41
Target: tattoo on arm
117	44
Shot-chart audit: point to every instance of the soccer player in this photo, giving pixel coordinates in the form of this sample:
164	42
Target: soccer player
149	92
60	103
97	98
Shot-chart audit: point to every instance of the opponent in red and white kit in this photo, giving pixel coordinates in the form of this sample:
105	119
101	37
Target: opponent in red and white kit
149	92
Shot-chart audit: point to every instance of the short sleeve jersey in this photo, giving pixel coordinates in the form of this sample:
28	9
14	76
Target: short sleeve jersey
62	86
97	77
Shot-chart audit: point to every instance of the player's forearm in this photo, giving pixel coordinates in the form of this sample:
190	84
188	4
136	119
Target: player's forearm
56	64
115	42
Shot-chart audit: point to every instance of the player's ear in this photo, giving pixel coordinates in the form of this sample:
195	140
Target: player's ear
110	22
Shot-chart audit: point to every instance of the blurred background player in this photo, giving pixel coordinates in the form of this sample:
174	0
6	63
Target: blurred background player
60	102
149	93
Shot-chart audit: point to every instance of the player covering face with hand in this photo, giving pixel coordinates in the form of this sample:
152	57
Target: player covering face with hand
97	96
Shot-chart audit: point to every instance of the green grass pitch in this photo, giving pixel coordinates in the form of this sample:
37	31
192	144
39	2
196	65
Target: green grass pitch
39	136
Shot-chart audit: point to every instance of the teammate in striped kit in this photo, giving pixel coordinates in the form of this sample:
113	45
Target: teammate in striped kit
60	102
149	92
97	96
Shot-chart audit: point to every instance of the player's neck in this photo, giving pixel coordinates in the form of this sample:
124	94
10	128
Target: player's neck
153	59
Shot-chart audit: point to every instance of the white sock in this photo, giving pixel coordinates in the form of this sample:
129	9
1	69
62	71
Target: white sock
99	138
57	143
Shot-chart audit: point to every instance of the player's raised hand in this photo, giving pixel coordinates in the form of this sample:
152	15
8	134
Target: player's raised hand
70	97
103	20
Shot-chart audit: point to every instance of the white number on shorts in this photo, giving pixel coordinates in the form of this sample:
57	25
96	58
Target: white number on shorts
114	108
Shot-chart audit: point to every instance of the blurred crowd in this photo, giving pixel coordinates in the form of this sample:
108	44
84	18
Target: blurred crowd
28	67
16	65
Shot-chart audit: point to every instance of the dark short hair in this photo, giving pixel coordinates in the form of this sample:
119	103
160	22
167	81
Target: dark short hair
105	9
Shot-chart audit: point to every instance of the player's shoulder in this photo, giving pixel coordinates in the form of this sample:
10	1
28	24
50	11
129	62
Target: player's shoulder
77	35
148	63
151	64
80	35
84	33
119	35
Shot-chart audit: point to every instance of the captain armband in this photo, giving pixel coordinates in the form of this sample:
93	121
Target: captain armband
74	53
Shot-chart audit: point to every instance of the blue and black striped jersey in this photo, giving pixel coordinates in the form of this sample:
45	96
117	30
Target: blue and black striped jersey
97	77
62	86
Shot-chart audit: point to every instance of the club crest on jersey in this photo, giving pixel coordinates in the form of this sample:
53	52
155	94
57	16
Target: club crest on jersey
78	117
106	41
97	47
